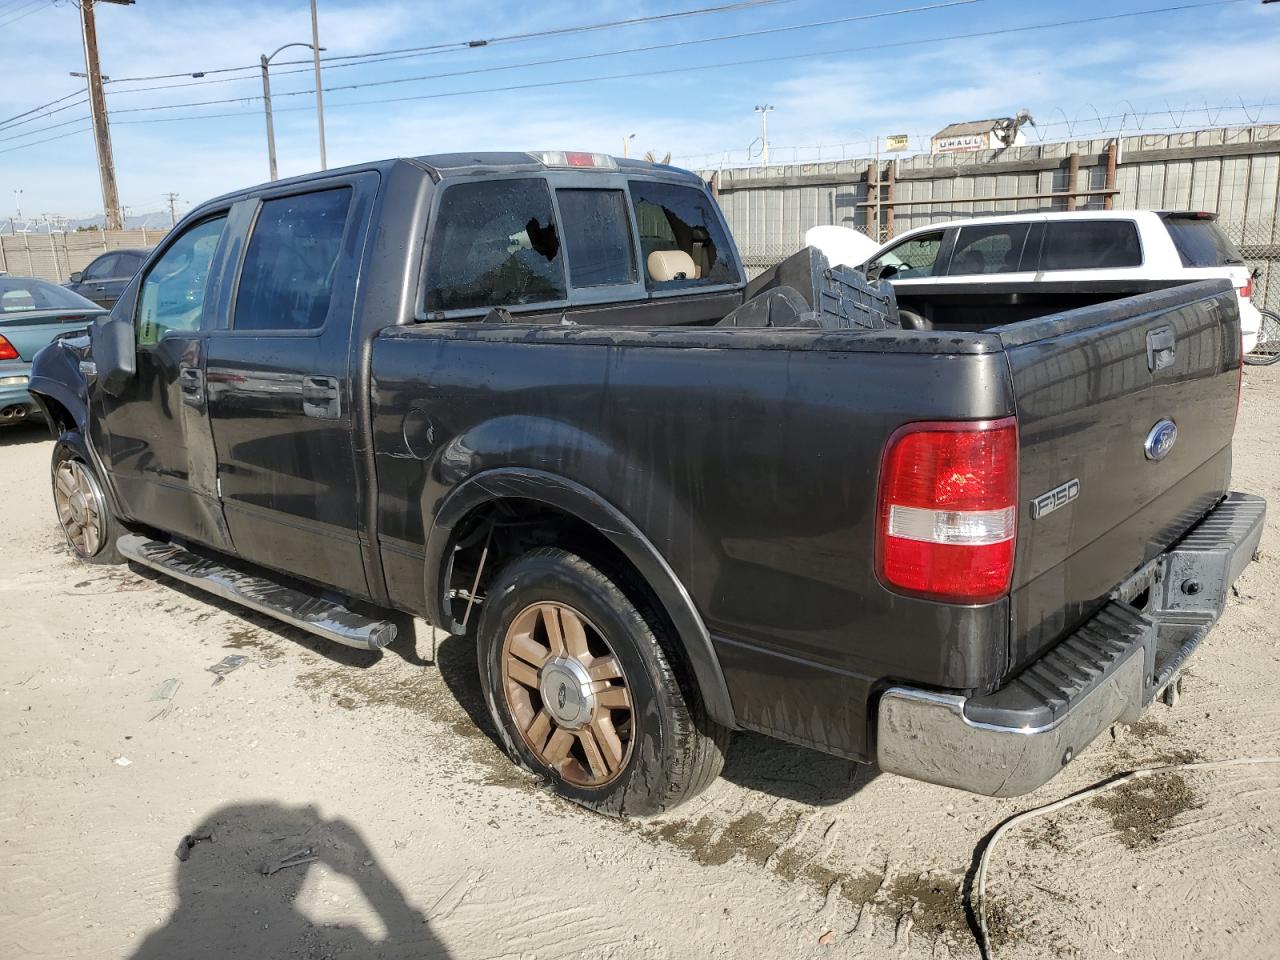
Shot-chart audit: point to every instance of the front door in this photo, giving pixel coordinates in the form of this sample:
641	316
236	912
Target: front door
155	434
280	386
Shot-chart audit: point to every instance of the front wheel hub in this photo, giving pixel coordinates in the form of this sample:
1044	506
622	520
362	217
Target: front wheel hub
566	694
565	687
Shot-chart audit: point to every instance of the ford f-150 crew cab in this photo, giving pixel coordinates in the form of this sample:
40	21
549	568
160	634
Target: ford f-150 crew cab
532	399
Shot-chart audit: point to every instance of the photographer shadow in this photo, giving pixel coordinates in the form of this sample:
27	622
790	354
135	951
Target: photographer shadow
229	907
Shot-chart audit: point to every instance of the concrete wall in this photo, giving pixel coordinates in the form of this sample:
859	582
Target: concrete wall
55	256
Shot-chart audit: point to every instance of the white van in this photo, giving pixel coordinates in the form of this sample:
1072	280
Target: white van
1088	245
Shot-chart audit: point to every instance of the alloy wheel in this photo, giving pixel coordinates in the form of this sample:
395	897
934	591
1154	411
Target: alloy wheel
79	506
567	694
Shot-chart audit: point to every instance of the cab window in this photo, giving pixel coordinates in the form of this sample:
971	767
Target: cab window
173	293
989	248
912	258
287	279
682	242
494	244
597	237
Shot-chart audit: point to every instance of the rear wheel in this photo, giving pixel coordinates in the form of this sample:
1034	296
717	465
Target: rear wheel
584	691
1267	350
82	508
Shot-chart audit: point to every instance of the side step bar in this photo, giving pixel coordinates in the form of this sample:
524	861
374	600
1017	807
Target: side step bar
324	618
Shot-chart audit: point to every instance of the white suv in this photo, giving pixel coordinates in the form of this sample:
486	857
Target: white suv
1092	245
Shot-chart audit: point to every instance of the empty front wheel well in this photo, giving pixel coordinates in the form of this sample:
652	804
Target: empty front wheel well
59	417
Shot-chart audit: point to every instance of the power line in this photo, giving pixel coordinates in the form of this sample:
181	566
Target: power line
754	61
61	136
35	8
552	61
666	71
454	45
16	116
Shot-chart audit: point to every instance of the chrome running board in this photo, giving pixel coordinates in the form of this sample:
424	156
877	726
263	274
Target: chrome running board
324	618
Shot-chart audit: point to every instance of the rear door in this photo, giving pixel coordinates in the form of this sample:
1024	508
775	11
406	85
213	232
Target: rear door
1002	251
280	380
1125	414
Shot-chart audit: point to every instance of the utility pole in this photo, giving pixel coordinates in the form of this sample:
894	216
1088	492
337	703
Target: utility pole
764	111
98	111
173	209
315	51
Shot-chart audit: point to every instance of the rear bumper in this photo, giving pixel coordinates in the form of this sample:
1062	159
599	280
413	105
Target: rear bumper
15	401
1014	740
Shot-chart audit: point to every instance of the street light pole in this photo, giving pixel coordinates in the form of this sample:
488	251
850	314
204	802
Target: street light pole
764	110
626	144
266	103
315	49
266	100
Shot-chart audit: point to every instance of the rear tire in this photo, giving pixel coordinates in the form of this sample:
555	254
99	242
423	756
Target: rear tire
1267	350
82	508
585	690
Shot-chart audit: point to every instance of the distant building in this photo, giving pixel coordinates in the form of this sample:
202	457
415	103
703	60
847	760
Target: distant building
977	135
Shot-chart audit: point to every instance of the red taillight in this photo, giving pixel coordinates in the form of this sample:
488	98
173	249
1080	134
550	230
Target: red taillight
6	350
1247	290
948	509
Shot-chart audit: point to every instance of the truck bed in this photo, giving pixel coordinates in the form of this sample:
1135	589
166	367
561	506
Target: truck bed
749	459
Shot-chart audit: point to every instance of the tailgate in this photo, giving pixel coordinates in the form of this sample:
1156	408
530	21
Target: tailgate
1105	483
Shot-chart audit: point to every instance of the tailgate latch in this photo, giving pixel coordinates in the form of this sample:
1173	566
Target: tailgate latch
1161	348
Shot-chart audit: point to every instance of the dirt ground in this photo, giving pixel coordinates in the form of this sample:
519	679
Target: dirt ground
117	743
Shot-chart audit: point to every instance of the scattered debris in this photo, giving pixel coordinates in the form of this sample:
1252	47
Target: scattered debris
166	692
189	841
121	761
295	859
231	661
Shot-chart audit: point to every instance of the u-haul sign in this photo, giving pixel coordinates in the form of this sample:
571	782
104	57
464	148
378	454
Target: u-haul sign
966	143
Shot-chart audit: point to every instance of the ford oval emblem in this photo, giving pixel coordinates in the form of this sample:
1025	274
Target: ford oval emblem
1161	440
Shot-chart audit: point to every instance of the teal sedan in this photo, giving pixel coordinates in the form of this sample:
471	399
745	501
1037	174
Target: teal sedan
32	313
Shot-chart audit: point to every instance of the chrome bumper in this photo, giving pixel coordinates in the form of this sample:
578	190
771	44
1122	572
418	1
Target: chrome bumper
1014	740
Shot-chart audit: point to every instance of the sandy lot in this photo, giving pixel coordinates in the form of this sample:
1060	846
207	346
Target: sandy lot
428	844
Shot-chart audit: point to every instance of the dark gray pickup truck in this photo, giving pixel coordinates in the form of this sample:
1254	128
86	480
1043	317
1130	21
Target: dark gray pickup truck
532	399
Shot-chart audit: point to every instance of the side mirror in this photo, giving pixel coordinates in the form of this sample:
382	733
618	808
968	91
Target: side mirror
114	354
77	276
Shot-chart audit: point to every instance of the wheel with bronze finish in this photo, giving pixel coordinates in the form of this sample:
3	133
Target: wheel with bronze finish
585	691
82	508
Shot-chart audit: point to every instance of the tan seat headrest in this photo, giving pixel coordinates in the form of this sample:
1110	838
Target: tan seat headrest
671	265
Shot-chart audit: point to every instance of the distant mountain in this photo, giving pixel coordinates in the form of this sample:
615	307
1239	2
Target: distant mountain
158	220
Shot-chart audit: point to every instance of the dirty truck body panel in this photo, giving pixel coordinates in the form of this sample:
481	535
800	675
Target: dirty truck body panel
738	475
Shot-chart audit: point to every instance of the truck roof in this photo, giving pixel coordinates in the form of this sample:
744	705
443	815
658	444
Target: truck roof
442	166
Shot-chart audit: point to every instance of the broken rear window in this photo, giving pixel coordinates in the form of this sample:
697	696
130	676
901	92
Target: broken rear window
495	244
683	219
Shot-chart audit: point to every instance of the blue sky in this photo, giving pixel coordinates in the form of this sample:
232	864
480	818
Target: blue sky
835	87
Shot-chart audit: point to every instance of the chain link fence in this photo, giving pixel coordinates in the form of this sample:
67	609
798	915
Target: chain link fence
1259	243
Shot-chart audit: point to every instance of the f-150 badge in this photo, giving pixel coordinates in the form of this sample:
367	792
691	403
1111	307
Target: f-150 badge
1046	503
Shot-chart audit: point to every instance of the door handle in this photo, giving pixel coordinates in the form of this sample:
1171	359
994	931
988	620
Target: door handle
191	385
321	398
